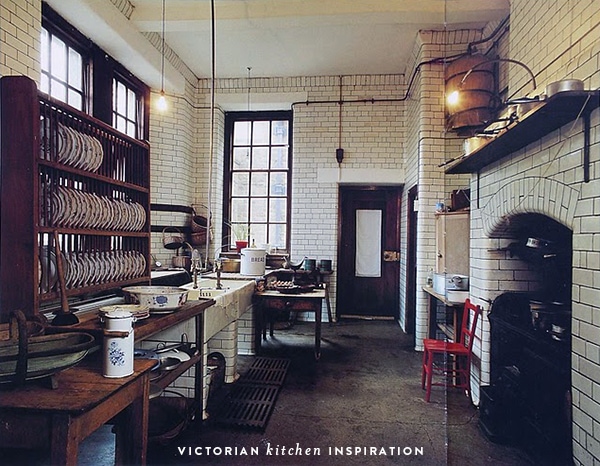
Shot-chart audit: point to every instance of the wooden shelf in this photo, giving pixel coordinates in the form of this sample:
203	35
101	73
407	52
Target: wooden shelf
551	114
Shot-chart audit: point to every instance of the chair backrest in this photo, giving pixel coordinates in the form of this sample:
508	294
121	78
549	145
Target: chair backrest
467	332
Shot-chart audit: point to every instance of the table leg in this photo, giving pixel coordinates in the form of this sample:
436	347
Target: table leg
328	306
131	442
318	319
64	440
431	315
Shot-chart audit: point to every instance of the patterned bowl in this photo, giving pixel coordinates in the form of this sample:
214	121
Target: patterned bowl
157	298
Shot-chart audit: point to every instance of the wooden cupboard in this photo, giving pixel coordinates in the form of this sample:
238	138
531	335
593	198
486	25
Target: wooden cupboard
452	233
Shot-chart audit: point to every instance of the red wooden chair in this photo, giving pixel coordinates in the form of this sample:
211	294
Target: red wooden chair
455	364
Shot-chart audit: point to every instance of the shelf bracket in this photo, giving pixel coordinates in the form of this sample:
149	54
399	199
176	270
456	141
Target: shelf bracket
586	147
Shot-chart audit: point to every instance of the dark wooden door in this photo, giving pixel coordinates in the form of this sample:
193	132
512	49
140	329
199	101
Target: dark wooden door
368	252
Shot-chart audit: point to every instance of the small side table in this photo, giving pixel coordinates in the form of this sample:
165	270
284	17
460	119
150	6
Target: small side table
272	301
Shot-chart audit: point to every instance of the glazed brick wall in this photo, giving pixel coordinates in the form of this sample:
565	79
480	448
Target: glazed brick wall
557	39
372	138
428	146
20	28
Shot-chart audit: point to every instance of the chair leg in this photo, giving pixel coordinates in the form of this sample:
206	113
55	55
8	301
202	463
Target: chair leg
429	376
423	369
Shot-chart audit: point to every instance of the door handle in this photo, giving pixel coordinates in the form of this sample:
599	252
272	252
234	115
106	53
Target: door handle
391	256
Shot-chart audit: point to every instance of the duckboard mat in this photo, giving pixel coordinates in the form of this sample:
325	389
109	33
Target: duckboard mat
252	398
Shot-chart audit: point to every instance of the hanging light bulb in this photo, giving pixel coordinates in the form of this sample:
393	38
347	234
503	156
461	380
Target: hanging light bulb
161	104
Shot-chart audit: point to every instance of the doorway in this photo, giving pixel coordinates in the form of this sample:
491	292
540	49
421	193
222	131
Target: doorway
368	252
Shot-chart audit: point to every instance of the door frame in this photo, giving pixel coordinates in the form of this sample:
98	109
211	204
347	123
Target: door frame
410	297
340	247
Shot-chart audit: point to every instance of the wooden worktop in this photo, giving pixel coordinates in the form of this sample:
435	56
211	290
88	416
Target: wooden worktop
79	388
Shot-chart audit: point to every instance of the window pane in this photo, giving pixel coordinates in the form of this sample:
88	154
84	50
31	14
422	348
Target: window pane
58	90
44	84
278	184
277	235
259	184
259	234
241	132
277	211
240	184
45	51
260	158
241	158
75	99
279	157
121	124
260	132
239	210
121	99
258	210
131	105
279	132
59	59
131	129
75	70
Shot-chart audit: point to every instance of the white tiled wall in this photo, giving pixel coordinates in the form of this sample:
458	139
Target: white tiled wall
557	41
20	27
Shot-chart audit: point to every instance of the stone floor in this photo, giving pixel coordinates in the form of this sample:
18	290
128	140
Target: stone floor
361	403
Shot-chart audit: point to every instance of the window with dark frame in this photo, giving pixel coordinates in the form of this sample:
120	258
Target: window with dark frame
258	168
71	65
63	70
127	108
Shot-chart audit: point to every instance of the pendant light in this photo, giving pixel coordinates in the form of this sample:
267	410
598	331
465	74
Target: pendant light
162	101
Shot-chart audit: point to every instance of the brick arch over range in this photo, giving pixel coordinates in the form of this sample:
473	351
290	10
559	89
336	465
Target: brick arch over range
528	195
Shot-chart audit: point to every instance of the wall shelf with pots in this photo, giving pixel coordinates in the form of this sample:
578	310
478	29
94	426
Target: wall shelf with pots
69	176
552	113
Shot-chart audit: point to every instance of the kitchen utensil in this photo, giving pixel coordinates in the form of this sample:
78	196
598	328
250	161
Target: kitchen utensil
24	357
309	264
172	239
231	265
564	85
457	282
117	358
157	298
473	143
325	265
63	316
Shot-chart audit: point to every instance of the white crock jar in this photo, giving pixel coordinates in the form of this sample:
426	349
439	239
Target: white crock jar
118	344
253	261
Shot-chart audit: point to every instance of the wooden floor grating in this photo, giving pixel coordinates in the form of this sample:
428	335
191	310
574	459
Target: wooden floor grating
270	371
252	398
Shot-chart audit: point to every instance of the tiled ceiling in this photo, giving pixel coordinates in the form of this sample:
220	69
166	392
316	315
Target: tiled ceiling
278	37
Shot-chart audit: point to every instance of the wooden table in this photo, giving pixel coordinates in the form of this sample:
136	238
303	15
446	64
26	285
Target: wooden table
450	330
36	416
271	301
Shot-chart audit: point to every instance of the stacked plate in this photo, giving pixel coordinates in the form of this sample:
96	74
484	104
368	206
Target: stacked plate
98	267
78	209
78	150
